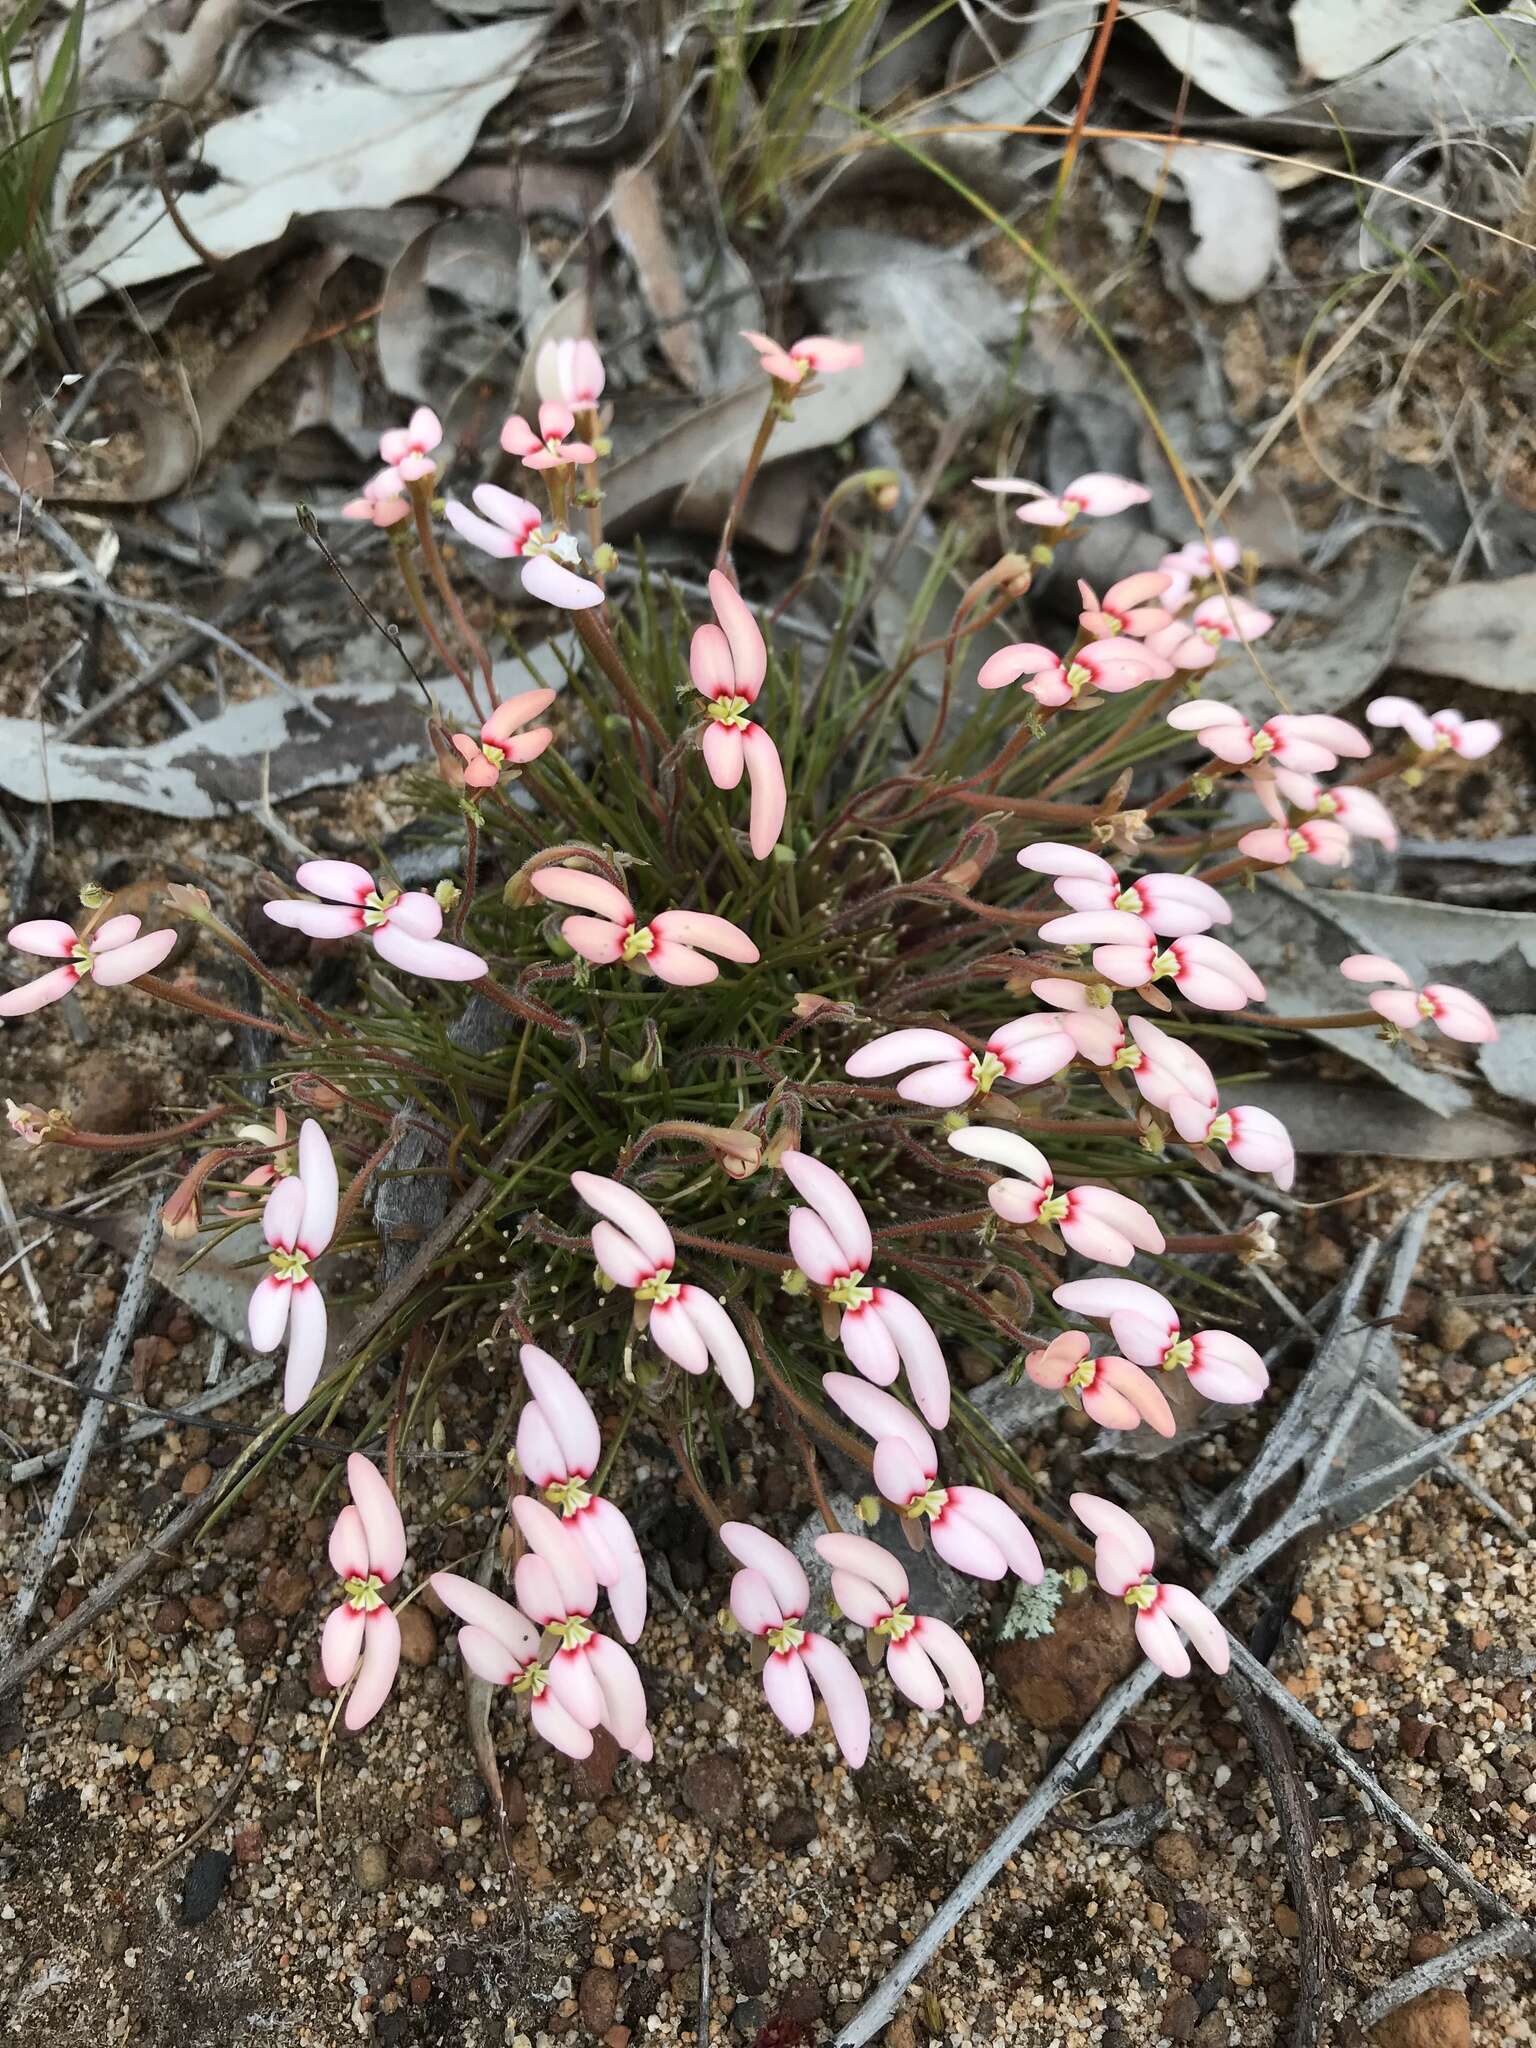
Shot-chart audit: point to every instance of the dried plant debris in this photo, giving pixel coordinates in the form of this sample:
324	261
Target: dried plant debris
1483	633
1234	213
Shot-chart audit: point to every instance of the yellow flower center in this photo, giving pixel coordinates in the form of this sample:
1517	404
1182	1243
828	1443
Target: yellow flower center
730	711
849	1292
1142	1594
292	1265
897	1623
364	1594
986	1069
377	906
639	940
570	1496
660	1287
1128	899
1178	1354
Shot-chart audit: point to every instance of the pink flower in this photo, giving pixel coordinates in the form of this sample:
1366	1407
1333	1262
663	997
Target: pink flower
408	450
1436	732
1126	607
384	501
548	448
971	1529
497	748
1362	814
1255	1138
668	947
361	1637
881	1331
1123	1560
1172	905
921	1652
1090	1020
1182	646
1312	742
1098	1222
501	1645
1114	1392
1458	1014
282	1158
1278	845
511	530
402	927
559	1449
769	1596
1196	562
633	1246
297	1221
817	354
1163	1066
1113	666
1026	1051
591	1676
1205	971
1231	618
570	373
1095	495
728	662
1146	1328
111	955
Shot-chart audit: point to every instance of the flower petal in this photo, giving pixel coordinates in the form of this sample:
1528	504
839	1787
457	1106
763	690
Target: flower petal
894	1050
380	1513
434	959
631	1212
620	1258
1159	1641
921	1355
869	1344
753	1603
51	987
553	583
376	1674
787	1689
127	963
994	1517
838	1683
341	1643
724	753
869	1560
341	881
722	1341
836	1204
760	1552
565	1410
962	1674
765	772
623	1694
47	936
547	1538
267	1313
317	1174
559	1728
1199	1624
307	1322
710	934
489	1612
749	654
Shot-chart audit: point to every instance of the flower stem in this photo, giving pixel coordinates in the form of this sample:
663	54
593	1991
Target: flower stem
599	643
184	999
428	624
772	414
137	1141
471	867
1342	1020
421	505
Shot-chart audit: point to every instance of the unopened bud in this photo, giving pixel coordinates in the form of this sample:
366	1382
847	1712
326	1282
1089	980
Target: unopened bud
792	1281
182	1216
1041	555
1076	1579
964	876
605	559
650	1059
93	896
31	1124
811	1009
1260	1247
1014	573
867	1508
446	894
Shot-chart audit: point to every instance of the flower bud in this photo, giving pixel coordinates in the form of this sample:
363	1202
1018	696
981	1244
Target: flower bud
182	1216
867	1508
31	1124
93	896
605	559
446	895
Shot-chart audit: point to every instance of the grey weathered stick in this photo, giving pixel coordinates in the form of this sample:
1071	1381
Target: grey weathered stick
23	1260
1412	1463
152	1425
114	1352
1508	1938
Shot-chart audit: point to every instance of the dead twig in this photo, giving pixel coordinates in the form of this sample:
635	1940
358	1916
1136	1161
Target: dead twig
24	1261
1508	1938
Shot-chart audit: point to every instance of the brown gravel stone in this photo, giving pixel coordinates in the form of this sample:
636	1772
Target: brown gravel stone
197	1478
207	1612
1176	1855
1437	2019
598	1999
1057	1680
255	1635
713	1788
1192	1963
170	1618
1181	2016
418	1638
285	1590
247	1536
1286	1922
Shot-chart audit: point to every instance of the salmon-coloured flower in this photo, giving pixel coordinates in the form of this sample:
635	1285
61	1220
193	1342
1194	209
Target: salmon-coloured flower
383	501
728	662
1194	563
401	925
111	955
512	530
361	1637
297	1221
672	946
1182	646
634	1247
1437	732
1360	811
501	1645
769	1597
549	447
1458	1014
1312	742
971	1529
559	1449
570	373
1099	1222
881	1330
592	1677
502	743
1231	617
1095	495
1111	1390
922	1653
818	354
1146	1327
1320	839
408	449
1172	905
1112	666
1206	971
1123	1560
1163	1066
1126	607
1026	1051
1255	1138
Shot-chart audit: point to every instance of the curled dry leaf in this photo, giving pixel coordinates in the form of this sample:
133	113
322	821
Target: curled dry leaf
1234	211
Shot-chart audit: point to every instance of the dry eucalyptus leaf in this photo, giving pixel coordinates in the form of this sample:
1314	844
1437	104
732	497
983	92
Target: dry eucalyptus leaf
170	438
1234	211
635	211
1053	44
393	123
1331	40
261	354
1481	633
1224	62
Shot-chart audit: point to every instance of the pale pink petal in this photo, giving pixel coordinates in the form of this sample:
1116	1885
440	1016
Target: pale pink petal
36	995
858	1598
316	920
480	533
1105	1519
1107	1206
559	1728
1159	1641
45	936
1047	512
1047	857
1024	658
435	959
1017	1201
673	962
348	1546
538	1591
1374	967
881	1415
488	1656
127	962
1260	1143
538	1452
1224	1368
547	1537
898	1049
826	355
835	1202
777	361
994	1517
1143	1393
965	1545
574	1684
1270	844
1005	1149
1458	1014
722	1340
631	1212
306	1344
897	1471
787	1689
869	1344
376	1674
1337	734
515	712
1109	1407
317	1175
765	772
1399	1007
760	1552
628	1593
920	1351
341	1643
488	1612
674	1331
753	1603
1055	1365
951	1653
594	939
267	1313
713	934
946	1087
620	1258
868	1560
724	753
912	1672
1177	905
838	1683
342	881
1144	1323
749	655
623	1694
552	583
1095	928
380	1514
815	1250
1477	737
565	1411
1126	966
1100	493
